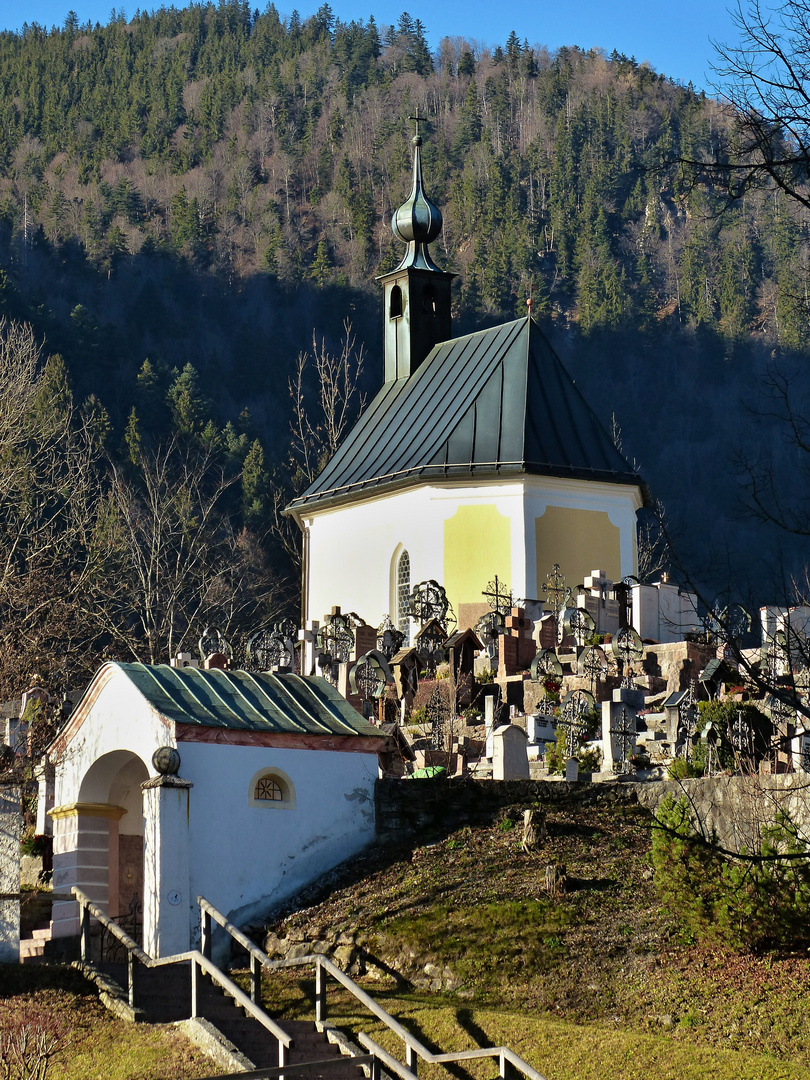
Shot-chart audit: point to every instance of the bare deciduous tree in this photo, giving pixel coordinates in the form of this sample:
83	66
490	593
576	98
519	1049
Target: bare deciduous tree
176	561
50	498
321	417
766	81
318	426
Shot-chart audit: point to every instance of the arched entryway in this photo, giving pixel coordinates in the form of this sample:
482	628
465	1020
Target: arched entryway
107	829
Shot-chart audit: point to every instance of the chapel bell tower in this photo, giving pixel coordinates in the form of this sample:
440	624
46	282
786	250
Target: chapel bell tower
416	313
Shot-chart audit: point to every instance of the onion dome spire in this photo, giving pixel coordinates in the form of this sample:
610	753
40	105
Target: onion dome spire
418	220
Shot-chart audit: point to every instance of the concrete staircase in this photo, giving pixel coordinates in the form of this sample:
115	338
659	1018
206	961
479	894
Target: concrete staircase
35	925
32	949
164	996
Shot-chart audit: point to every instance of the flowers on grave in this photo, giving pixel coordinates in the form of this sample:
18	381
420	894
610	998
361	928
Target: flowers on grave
36	844
552	688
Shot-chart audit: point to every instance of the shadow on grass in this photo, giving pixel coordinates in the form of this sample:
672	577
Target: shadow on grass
29	978
577	884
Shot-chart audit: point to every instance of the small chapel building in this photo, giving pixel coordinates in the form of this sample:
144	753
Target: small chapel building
478	457
173	783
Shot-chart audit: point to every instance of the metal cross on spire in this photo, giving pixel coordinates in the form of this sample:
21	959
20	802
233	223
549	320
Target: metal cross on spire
419	120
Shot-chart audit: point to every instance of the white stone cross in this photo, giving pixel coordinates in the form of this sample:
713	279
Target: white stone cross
598	583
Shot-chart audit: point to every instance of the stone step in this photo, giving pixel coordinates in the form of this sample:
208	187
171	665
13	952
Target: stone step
31	949
42	933
164	994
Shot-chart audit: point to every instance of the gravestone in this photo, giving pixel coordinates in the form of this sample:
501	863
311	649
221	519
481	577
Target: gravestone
10	832
510	761
540	729
405	667
600	602
517	645
545	632
462	648
308	638
489	724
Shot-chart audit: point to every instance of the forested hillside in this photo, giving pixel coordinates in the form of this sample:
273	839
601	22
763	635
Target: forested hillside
187	195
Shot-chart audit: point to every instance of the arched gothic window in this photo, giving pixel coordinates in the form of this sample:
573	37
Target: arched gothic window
395	306
403	594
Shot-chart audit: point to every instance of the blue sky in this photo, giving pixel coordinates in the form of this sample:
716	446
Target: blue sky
674	38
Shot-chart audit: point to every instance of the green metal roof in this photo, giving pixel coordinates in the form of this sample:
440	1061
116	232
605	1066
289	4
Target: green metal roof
247	701
491	404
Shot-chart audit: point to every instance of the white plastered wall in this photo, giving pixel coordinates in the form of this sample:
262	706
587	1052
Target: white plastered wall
619	501
103	764
245	858
352	548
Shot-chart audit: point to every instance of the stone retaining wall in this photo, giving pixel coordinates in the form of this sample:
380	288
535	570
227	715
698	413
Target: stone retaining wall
411	807
10	832
734	809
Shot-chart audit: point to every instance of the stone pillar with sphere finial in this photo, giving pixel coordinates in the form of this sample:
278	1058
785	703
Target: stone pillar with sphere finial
167	903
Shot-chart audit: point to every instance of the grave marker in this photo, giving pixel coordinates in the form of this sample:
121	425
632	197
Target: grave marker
510	760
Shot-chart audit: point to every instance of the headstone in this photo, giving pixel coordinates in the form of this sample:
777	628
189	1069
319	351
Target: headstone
661	612
545	632
308	637
182	660
489	723
405	668
365	640
572	770
462	648
10	832
600	602
540	729
618	733
517	647
216	661
510	760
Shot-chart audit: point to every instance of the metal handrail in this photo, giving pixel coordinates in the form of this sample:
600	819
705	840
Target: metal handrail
414	1049
198	961
285	1041
388	1060
304	1067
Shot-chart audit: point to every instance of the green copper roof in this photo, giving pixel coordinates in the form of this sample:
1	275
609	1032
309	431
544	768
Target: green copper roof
247	701
493	404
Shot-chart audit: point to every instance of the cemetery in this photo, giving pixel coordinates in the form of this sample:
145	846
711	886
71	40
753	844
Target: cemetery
574	695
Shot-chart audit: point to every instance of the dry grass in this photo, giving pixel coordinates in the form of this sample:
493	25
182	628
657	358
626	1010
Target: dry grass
556	1047
602	965
91	1043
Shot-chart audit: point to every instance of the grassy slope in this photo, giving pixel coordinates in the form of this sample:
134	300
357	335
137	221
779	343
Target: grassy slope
597	984
92	1044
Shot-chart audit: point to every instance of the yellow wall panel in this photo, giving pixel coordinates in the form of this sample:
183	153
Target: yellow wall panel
477	546
580	541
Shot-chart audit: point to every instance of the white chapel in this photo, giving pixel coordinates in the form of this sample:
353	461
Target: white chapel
478	457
